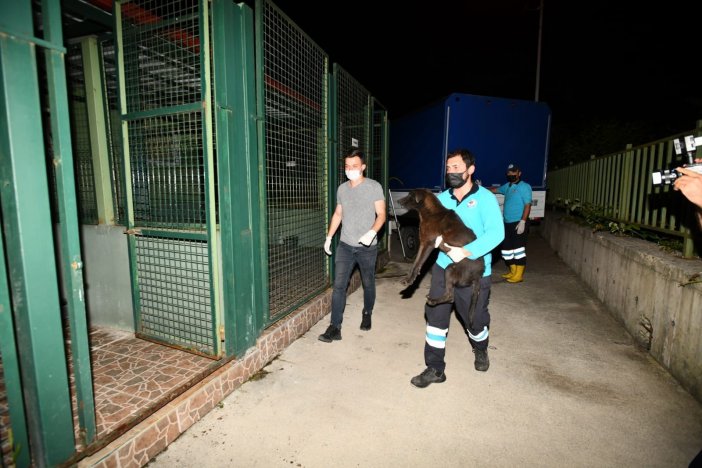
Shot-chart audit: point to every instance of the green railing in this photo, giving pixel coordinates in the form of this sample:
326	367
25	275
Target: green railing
620	187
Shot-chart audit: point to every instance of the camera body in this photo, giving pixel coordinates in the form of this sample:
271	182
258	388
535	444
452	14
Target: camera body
668	176
687	147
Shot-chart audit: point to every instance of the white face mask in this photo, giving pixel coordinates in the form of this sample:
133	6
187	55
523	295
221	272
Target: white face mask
353	174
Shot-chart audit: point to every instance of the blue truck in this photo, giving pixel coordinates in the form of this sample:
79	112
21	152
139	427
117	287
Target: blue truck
497	130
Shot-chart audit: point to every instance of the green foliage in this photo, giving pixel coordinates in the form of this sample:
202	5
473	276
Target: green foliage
598	219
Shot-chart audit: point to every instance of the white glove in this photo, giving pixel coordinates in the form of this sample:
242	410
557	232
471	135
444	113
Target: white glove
367	238
327	245
520	226
456	254
438	241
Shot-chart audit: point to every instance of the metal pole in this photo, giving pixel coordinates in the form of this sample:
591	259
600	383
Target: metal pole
538	52
71	260
397	223
27	231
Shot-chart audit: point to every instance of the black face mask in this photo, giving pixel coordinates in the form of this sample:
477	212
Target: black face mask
455	180
512	178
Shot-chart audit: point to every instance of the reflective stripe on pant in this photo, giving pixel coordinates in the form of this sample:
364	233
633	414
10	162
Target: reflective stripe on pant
439	317
513	248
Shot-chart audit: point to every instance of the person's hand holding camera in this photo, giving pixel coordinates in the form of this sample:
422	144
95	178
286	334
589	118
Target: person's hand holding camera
690	185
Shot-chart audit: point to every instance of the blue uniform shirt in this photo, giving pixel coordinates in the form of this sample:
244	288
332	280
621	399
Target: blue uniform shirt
516	196
479	211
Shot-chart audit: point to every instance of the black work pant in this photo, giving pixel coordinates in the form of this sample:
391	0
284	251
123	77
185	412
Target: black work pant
513	248
439	316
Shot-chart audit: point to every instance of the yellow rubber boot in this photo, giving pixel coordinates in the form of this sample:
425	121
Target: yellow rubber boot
518	275
512	270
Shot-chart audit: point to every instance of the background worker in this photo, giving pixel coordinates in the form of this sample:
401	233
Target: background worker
360	211
515	212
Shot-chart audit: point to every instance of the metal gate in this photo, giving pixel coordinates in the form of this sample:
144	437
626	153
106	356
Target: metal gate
163	60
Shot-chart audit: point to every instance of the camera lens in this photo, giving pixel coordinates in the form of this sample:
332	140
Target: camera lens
666	177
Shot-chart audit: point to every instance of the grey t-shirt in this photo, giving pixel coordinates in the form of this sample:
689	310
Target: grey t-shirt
358	209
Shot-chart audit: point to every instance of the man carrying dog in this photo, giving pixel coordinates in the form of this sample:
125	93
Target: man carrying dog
516	211
360	210
479	210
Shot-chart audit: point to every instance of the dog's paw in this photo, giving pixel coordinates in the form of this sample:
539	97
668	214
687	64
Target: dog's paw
432	301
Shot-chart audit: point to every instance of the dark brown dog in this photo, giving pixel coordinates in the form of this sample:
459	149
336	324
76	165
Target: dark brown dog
435	220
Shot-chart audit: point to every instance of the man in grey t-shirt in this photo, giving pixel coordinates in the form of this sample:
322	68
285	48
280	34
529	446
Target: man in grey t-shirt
360	210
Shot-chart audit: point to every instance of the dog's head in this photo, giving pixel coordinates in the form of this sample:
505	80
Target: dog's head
415	199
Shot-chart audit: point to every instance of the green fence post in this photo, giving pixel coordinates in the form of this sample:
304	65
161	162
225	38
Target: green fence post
27	230
334	162
11	372
94	101
210	174
71	260
262	235
625	186
129	215
238	171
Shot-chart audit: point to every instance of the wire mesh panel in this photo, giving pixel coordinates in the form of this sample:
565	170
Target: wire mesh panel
296	101
168	176
163	52
377	146
80	137
114	133
174	291
353	125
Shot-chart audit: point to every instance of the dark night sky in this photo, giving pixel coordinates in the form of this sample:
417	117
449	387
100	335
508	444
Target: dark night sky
619	60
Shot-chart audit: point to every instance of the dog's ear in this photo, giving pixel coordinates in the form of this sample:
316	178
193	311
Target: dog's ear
418	196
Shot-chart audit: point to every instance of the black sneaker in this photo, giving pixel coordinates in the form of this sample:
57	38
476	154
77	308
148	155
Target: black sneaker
331	334
428	376
366	321
482	363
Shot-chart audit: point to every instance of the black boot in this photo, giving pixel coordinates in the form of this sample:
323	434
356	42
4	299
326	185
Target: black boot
366	321
332	333
482	362
428	376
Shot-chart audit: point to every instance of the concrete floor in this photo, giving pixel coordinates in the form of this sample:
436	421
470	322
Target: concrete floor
567	386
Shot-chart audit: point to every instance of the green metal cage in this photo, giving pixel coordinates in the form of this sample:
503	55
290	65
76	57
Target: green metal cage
294	80
353	119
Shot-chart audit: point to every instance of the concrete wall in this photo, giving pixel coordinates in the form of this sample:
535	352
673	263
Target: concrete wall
640	284
106	276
